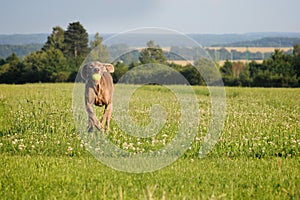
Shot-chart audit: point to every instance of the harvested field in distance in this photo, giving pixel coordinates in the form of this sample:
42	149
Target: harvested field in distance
251	49
181	62
220	62
239	49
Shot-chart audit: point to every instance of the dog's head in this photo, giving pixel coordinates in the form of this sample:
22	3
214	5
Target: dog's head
93	71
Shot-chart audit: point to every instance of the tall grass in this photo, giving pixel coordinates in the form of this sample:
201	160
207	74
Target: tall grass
43	156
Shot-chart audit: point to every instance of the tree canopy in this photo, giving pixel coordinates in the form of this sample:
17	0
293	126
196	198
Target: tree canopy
152	54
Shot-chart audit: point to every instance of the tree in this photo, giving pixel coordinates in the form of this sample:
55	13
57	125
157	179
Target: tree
277	71
296	62
152	54
46	66
11	70
226	70
12	59
192	75
75	44
56	39
99	51
244	77
120	70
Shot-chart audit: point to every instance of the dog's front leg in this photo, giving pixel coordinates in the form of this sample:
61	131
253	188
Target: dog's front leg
89	102
106	117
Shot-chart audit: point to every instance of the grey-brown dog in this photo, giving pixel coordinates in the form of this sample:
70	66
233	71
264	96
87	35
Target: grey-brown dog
98	91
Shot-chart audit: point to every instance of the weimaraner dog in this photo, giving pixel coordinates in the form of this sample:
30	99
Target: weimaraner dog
98	91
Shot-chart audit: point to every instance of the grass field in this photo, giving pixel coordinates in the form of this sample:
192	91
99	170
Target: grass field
257	157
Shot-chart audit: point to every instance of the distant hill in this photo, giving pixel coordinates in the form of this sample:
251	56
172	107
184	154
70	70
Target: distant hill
23	44
21	50
21	39
140	40
167	40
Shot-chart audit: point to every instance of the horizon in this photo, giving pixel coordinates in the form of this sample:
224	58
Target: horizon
192	33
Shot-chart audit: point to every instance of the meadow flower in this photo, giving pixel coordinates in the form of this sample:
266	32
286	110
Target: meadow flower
70	148
97	149
125	145
131	146
15	141
21	146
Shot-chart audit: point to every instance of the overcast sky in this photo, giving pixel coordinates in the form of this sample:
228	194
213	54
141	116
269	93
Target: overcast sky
186	16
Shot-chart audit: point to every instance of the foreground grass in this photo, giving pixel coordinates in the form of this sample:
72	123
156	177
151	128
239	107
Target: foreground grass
257	156
40	177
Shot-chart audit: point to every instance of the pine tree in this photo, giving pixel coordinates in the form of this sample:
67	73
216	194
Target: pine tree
76	42
55	40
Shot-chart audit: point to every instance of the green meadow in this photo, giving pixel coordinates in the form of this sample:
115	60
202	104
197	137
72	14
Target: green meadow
43	156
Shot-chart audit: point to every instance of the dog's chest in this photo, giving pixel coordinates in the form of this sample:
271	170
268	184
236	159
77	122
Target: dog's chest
100	97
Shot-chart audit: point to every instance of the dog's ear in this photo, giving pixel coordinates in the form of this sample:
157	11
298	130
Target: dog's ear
109	67
84	72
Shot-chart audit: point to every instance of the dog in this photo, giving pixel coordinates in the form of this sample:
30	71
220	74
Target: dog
98	91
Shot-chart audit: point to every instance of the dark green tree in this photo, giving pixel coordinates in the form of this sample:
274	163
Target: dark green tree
277	71
296	63
227	73
75	44
120	70
244	77
12	59
11	70
192	75
55	40
46	66
281	69
152	54
226	70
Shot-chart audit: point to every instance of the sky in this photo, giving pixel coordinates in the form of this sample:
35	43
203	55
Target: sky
185	16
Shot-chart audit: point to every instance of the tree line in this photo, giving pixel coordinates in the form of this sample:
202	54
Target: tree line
65	50
57	61
280	70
